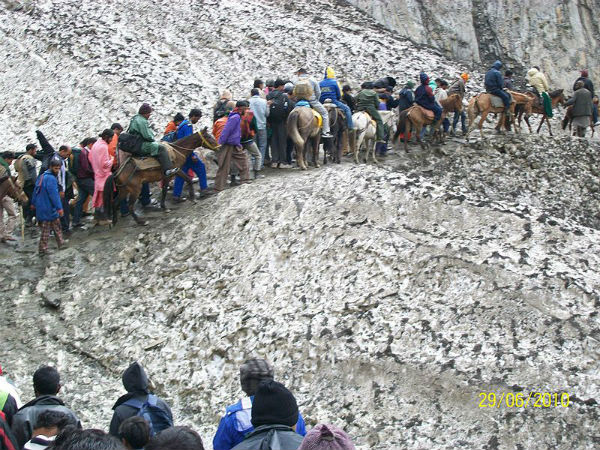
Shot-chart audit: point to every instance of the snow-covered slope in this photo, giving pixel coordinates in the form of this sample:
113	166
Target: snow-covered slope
74	67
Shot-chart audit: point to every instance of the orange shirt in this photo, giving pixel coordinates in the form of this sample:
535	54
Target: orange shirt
170	127
218	127
112	149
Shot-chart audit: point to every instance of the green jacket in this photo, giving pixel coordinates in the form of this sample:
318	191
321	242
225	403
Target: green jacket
4	165
139	126
367	99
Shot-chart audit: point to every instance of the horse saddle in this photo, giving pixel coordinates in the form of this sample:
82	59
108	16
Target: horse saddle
427	113
319	118
149	162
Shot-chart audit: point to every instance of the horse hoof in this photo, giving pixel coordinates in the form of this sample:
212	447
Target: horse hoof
317	166
166	210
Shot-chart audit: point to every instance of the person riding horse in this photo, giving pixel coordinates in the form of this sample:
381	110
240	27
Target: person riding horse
425	98
330	89
139	126
537	80
494	84
367	100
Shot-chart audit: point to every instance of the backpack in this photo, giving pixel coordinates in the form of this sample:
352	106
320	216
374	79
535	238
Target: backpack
220	110
279	108
157	418
130	143
303	89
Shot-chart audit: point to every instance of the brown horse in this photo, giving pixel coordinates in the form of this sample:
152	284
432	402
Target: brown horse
413	118
129	178
482	104
304	131
557	97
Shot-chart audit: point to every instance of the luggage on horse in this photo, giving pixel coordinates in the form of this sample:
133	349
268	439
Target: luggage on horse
303	90
130	143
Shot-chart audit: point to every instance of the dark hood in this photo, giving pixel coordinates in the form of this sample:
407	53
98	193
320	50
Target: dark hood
135	379
497	65
44	400
135	382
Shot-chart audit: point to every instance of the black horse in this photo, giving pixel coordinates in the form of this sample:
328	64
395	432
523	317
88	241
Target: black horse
338	126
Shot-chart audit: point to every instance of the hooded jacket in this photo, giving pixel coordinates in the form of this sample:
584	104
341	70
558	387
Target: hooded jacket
135	382
330	89
424	94
25	420
46	198
537	79
493	78
271	437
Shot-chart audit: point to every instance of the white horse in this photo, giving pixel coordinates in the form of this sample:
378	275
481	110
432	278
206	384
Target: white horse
366	132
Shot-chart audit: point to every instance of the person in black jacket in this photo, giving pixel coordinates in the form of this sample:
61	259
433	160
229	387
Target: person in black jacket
347	97
136	383
46	385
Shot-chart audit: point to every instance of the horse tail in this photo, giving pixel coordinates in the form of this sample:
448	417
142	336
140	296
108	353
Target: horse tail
401	125
108	198
292	128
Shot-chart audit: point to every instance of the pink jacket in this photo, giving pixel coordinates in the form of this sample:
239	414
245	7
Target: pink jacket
101	163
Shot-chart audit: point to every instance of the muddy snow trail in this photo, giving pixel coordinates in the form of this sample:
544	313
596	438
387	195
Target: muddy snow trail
388	298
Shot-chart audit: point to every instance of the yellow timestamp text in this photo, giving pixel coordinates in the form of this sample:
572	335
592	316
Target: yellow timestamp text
524	400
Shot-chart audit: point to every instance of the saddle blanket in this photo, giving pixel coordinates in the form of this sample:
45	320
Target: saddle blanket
497	101
428	114
305	104
151	163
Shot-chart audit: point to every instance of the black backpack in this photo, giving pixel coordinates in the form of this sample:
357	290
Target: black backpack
130	143
279	108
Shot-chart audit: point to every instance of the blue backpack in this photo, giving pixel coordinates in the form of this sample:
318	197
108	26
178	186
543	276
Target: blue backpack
172	136
157	418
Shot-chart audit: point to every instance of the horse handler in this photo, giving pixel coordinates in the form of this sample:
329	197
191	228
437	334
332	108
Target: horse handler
231	148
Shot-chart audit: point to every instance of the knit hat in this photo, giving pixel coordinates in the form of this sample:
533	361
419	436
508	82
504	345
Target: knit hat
410	84
326	437
145	109
423	77
584	73
465	76
289	87
329	73
253	372
274	404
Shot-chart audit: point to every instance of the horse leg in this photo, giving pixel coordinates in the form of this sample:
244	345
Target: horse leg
359	140
544	118
133	196
314	143
484	115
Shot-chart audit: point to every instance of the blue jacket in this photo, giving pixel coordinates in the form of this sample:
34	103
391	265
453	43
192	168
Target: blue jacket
46	198
493	78
235	425
330	89
406	98
184	129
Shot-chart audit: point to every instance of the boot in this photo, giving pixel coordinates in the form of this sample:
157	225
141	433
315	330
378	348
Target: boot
165	162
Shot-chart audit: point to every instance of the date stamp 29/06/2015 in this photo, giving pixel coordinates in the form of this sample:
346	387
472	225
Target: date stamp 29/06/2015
523	400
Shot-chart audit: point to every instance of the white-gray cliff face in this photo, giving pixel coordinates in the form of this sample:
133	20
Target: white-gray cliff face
559	36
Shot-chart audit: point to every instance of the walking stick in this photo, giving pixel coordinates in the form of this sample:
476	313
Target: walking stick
22	225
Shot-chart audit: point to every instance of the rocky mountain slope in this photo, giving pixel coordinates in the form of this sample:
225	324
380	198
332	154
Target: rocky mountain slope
560	37
388	298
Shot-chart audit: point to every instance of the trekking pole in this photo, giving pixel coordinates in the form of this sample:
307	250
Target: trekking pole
22	225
